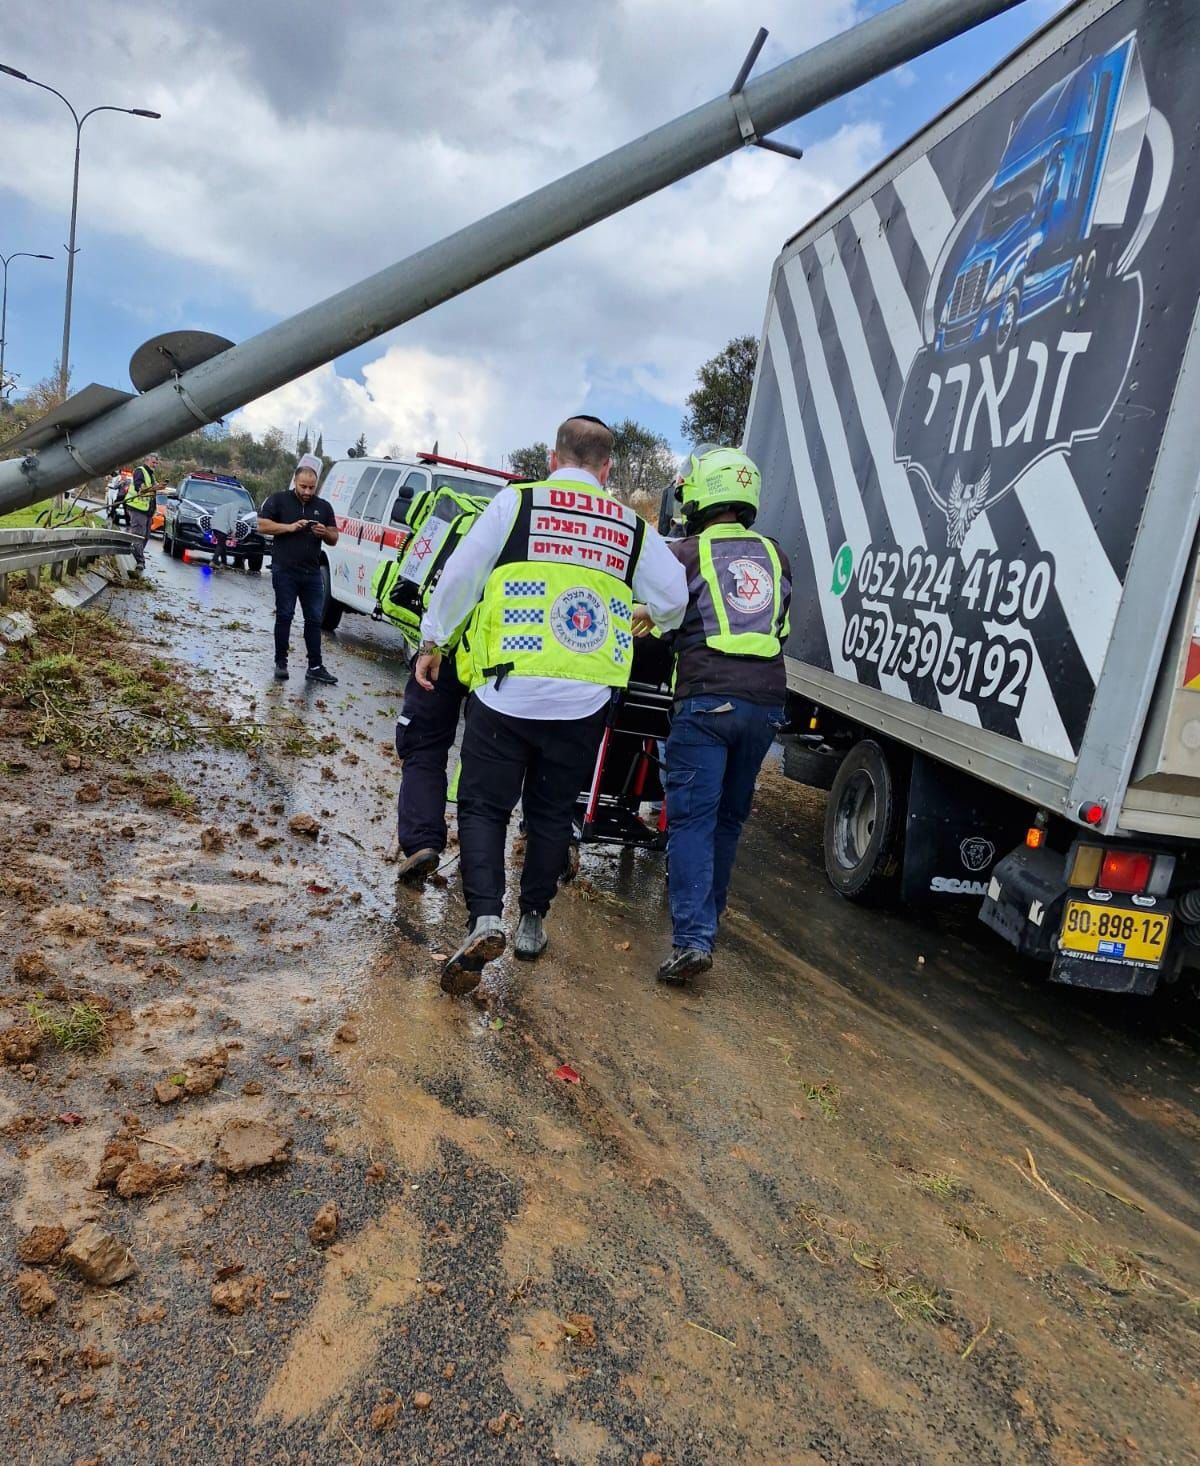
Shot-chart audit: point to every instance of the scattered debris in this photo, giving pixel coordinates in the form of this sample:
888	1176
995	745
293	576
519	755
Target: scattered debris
118	1154
30	967
88	794
42	1244
98	1257
376	1171
235	1295
197	1076
250	1145
347	1034
211	839
507	1420
435	1290
145	1178
580	1328
304	824
34	1293
566	1073
252	1087
723	1337
422	1400
324	1226
19	1044
383	1416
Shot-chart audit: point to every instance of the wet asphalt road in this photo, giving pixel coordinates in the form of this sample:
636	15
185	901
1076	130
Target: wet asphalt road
738	1197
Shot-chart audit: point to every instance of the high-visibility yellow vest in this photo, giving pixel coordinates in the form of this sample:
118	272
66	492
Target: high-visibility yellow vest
438	519
739	606
140	494
560	600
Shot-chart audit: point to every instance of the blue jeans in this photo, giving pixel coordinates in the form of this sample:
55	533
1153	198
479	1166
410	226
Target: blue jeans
716	748
306	586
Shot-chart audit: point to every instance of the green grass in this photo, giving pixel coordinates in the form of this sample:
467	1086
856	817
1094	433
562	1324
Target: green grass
28	517
943	1185
81	1029
825	1096
180	798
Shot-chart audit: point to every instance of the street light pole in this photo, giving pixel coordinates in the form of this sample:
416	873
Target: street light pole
64	369
21	254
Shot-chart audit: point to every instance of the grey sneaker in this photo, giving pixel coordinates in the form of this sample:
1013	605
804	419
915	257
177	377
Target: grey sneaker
463	970
531	938
682	964
413	869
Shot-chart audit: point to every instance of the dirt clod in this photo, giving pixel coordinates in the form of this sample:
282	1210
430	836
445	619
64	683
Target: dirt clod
42	1244
144	1178
250	1145
118	1154
435	1290
98	1257
651	1458
347	1034
211	839
324	1226
167	1091
507	1420
88	794
34	1293
235	1295
304	824
19	1044
384	1416
252	1087
580	1328
376	1171
422	1400
30	967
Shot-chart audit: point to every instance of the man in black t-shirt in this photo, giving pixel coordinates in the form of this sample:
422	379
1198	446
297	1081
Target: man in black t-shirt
300	523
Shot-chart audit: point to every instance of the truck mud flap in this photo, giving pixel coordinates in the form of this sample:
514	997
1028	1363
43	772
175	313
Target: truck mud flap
1108	977
1024	901
954	829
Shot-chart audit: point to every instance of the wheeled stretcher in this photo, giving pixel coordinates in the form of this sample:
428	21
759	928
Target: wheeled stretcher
629	766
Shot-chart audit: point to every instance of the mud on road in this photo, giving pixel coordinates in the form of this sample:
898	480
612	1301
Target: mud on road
869	1192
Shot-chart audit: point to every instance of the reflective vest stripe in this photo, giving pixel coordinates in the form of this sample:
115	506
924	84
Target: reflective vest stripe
729	558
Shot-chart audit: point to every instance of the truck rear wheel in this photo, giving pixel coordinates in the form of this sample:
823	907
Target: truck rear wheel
863	825
332	613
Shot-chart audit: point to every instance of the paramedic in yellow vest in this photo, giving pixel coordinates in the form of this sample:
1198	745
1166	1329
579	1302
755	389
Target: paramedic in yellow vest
546	583
730	692
139	506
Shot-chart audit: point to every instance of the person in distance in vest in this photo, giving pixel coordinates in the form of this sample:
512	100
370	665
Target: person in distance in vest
139	506
546	583
730	692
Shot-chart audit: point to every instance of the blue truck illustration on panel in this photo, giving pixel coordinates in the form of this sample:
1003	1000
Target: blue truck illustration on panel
1061	182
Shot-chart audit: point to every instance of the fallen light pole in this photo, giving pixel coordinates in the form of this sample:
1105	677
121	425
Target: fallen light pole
744	116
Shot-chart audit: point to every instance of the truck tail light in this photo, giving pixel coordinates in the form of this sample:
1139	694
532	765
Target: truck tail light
1125	870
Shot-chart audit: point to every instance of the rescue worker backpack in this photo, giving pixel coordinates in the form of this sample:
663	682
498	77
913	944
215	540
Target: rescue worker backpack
438	519
560	601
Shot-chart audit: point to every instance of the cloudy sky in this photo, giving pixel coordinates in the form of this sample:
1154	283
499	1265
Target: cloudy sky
304	146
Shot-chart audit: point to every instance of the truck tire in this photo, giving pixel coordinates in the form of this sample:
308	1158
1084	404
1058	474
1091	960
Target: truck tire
864	821
332	613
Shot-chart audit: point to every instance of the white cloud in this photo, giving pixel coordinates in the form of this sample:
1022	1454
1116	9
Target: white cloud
304	147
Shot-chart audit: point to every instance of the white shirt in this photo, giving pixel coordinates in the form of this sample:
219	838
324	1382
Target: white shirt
659	582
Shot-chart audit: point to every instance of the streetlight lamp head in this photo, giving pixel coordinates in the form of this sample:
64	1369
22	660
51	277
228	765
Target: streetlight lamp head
12	71
43	257
143	112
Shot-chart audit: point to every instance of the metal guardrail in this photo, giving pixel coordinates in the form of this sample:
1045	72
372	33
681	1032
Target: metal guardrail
29	549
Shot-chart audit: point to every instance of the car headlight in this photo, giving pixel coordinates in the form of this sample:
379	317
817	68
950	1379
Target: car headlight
996	290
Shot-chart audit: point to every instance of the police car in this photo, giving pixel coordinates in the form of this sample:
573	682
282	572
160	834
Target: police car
370	498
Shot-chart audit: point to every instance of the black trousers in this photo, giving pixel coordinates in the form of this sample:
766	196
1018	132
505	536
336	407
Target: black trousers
304	584
543	763
424	742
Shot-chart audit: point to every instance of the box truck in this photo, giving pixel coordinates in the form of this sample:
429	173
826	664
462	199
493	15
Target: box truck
977	414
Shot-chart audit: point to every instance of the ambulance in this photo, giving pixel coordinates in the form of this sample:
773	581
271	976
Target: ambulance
370	498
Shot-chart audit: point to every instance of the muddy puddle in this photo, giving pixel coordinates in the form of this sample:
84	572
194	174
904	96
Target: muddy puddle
869	1192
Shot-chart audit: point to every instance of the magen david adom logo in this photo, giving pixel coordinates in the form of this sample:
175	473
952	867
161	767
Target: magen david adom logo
752	590
579	620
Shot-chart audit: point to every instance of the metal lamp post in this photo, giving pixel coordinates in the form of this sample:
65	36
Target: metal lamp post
21	254
64	367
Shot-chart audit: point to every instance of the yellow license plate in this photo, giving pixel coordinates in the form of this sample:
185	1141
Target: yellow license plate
1114	933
